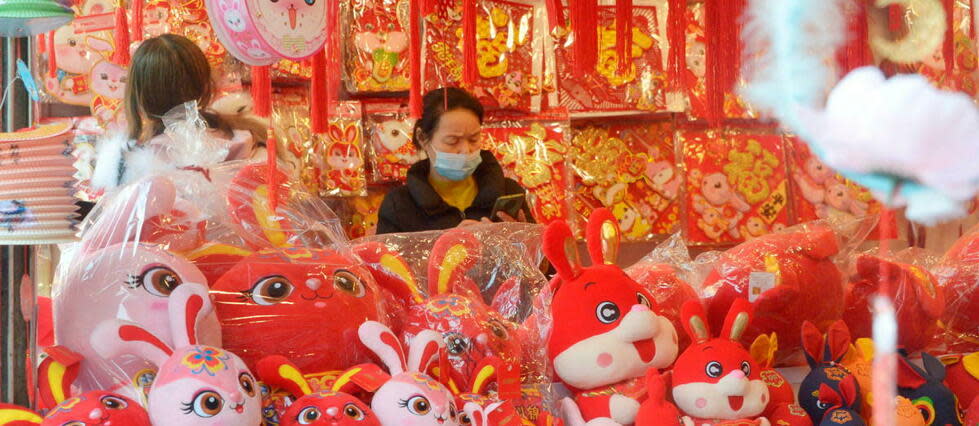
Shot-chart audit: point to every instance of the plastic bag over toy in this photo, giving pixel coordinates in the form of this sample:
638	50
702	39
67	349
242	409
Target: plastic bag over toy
789	276
474	286
390	131
958	276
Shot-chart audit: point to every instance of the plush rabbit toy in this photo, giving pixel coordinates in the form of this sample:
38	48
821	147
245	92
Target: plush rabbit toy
715	380
606	330
324	408
842	406
195	384
96	408
410	397
118	275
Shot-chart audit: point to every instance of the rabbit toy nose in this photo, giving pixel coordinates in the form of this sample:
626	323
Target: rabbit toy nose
737	374
237	398
332	411
639	308
95	414
314	283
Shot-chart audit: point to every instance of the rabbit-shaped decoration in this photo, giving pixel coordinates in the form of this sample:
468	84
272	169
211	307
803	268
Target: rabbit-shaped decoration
95	408
962	377
716	379
656	410
325	408
926	389
409	397
117	274
480	405
842	405
780	391
195	384
825	359
606	331
454	307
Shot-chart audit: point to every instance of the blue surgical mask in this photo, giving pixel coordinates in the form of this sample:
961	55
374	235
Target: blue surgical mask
456	167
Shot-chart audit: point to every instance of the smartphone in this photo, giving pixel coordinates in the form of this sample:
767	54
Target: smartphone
509	204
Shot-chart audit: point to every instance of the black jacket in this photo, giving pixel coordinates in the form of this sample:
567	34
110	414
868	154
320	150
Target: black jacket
415	206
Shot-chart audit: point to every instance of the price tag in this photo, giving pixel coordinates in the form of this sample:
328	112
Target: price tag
758	283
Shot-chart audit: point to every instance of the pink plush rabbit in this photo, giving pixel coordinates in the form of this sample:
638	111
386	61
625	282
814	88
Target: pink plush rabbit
410	397
195	384
116	274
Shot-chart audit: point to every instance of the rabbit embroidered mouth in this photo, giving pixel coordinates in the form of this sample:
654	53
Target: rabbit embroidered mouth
646	350
736	402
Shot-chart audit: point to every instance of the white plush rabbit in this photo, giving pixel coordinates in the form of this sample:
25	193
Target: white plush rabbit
195	384
409	397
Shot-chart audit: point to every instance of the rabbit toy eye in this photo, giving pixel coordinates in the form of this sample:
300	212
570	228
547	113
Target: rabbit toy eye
456	343
349	283
309	415
746	368
643	300
821	405
114	403
270	290
205	404
607	312
417	405
159	281
247	384
498	329
74	423
464	419
353	411
714	369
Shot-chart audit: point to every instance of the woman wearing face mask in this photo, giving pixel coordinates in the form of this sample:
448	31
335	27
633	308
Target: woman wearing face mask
459	182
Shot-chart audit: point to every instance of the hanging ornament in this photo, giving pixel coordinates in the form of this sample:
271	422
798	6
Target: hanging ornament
925	33
120	56
584	23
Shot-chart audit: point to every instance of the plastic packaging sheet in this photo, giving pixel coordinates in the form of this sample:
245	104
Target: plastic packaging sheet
376	52
473	285
958	276
789	276
390	130
194	226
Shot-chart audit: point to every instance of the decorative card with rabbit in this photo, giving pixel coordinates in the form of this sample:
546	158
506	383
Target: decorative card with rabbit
640	87
737	185
390	130
818	192
376	55
534	153
509	40
341	154
630	169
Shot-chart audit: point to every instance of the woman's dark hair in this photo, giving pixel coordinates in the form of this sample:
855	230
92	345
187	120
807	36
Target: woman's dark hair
438	102
165	72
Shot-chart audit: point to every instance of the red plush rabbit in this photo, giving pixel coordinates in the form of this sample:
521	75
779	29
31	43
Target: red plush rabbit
715	379
606	331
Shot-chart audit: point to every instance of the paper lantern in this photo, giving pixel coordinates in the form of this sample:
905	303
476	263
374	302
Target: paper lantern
37	205
262	32
24	18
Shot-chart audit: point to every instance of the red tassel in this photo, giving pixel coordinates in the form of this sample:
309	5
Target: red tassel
555	14
948	49
470	69
137	32
623	33
317	94
584	22
415	57
52	56
332	52
271	161
677	37
41	44
120	56
856	53
262	91
715	53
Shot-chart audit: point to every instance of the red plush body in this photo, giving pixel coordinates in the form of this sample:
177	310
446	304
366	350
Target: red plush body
958	276
324	408
606	331
289	301
668	289
808	285
656	410
919	302
962	377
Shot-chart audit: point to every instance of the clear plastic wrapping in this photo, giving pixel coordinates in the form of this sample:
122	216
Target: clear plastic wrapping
390	130
958	276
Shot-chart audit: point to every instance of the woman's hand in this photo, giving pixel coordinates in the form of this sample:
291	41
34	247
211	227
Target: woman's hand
521	217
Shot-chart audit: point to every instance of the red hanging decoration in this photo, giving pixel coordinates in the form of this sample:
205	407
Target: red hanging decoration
470	68
677	36
137	31
262	91
584	23
555	14
120	56
41	44
52	56
415	57
318	94
272	167
331	53
948	48
623	33
856	52
723	53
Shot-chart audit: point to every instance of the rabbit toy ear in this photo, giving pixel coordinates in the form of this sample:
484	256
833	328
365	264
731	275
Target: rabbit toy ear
934	367
848	391
130	212
12	415
188	305
477	416
561	250
603	235
837	341
812	343
368	377
507	298
423	351
454	254
830	397
390	271
379	339
763	349
485	374
908	376
737	320
278	371
112	338
695	321
56	374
